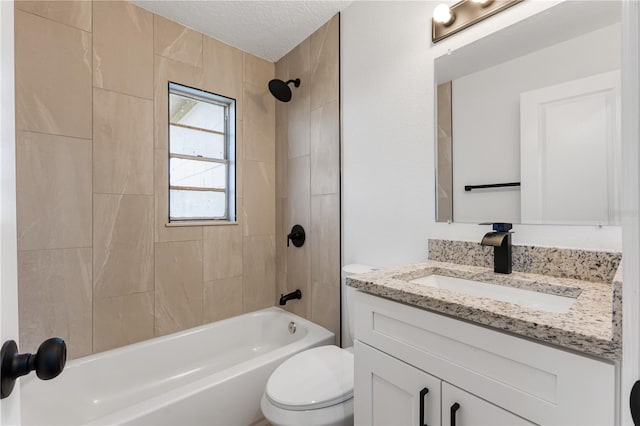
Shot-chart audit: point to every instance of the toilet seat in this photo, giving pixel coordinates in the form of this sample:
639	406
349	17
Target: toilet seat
336	415
314	379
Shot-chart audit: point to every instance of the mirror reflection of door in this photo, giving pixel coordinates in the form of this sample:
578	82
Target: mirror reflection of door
570	150
482	83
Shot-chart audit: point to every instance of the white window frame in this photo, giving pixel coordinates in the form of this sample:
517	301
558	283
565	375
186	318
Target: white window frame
229	105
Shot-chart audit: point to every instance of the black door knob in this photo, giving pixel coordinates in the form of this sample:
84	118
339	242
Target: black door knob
634	401
48	362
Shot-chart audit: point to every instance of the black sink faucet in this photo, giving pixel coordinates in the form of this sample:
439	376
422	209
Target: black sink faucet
500	240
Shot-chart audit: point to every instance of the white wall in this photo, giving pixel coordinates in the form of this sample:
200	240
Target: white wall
486	119
387	132
9	407
388	121
630	200
387	80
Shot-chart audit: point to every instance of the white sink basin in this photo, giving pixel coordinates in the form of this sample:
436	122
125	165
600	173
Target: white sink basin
526	298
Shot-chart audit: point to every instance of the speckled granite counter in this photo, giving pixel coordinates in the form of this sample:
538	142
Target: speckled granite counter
592	325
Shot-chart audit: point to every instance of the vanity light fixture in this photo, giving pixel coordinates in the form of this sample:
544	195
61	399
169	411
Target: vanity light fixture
449	20
442	14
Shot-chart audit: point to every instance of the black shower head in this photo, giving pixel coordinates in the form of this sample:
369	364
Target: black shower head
280	90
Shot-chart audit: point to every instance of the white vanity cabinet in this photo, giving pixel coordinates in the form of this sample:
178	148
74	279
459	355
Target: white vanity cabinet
495	378
391	392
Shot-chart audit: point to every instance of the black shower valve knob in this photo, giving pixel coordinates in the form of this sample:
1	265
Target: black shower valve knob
296	236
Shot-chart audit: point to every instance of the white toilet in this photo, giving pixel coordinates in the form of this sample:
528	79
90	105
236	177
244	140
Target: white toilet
314	387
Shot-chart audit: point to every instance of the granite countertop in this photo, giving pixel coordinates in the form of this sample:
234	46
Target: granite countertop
592	325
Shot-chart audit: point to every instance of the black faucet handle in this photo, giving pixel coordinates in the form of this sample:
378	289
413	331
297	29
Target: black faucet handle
499	226
296	236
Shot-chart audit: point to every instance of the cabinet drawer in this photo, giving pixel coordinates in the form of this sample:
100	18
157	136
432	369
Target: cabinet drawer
460	408
545	385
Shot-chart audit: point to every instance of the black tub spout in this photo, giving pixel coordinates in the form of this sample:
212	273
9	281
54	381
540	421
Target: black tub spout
284	298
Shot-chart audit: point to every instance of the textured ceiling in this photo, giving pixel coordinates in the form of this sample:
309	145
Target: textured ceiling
268	29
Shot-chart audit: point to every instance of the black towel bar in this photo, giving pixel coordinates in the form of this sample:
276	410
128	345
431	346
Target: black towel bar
491	185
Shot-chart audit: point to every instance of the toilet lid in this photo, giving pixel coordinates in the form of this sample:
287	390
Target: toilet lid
316	378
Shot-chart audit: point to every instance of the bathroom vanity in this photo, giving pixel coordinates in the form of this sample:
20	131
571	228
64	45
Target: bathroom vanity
527	132
532	348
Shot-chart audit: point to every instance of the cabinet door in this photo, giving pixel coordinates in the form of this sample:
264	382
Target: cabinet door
460	408
389	392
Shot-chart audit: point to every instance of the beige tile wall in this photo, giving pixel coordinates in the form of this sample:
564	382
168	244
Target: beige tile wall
97	265
308	178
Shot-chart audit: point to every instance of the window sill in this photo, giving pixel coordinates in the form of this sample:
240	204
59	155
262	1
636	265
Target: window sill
201	223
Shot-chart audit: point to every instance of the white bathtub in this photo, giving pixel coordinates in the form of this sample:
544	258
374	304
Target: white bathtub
210	375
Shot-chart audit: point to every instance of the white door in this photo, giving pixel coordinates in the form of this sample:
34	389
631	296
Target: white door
570	152
9	407
460	408
389	392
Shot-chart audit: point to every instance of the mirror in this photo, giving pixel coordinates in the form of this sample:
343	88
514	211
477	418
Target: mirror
528	121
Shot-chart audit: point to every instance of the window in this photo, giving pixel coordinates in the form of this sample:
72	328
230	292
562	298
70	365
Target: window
201	155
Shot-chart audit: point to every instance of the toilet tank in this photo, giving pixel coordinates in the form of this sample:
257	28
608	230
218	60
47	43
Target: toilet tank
347	300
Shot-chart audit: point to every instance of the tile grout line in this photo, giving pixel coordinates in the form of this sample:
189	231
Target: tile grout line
202	251
93	87
92	194
155	215
244	168
202	321
38	132
311	215
122	194
55	248
59	22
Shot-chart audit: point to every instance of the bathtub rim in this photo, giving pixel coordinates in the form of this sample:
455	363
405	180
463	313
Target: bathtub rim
178	334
